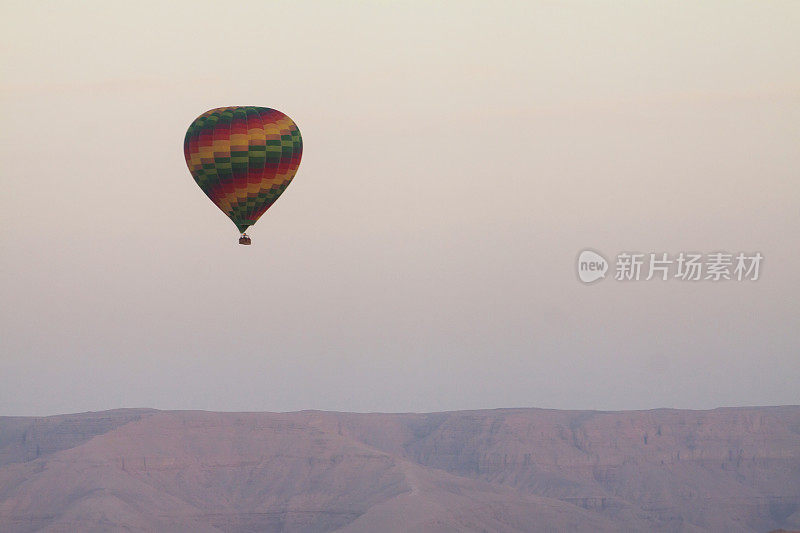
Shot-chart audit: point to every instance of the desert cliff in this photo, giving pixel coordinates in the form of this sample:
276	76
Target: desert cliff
734	469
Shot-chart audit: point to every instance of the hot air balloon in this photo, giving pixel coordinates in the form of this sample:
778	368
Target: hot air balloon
243	158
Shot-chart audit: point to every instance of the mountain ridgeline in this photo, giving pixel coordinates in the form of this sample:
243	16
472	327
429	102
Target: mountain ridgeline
730	469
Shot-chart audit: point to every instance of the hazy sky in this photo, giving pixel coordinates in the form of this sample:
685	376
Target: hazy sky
457	158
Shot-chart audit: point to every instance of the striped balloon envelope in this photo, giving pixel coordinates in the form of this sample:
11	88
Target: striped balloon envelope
243	158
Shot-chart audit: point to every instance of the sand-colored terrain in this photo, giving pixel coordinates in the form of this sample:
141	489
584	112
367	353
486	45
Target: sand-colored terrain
735	469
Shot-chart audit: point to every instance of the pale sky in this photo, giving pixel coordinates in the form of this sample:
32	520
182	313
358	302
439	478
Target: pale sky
457	158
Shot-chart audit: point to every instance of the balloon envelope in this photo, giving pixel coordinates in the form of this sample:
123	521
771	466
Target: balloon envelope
243	158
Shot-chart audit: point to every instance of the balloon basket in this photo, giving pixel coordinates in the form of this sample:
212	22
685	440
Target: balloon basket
244	239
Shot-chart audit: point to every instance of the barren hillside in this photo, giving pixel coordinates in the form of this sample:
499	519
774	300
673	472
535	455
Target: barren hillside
734	469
